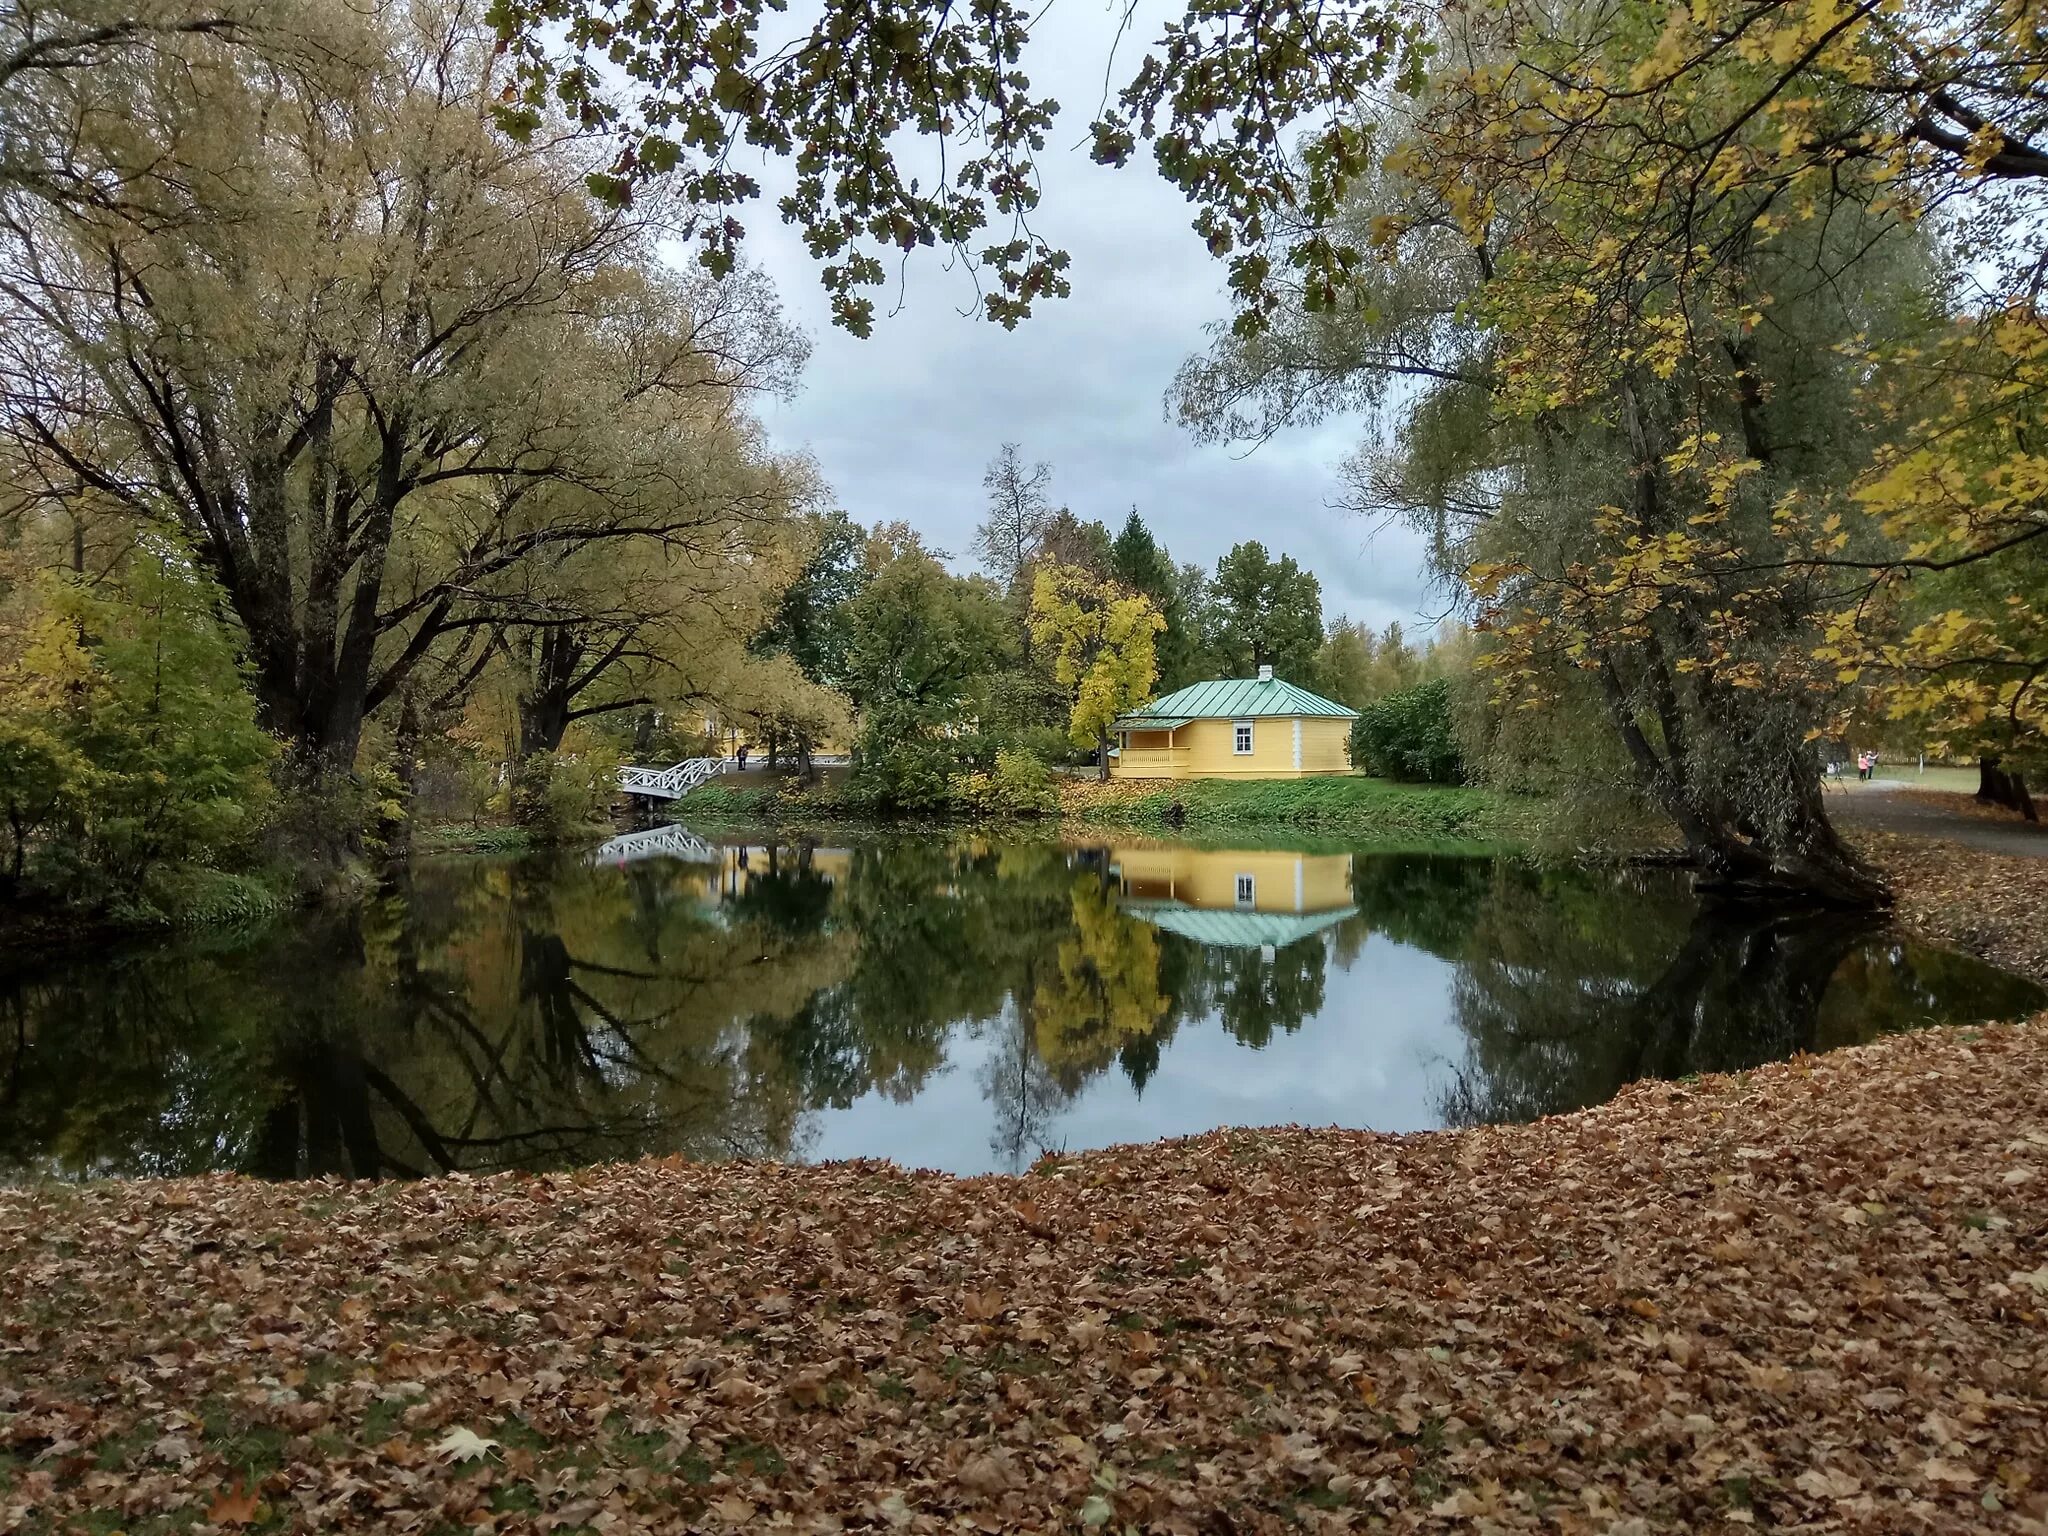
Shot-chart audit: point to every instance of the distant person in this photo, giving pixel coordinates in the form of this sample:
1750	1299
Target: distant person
743	757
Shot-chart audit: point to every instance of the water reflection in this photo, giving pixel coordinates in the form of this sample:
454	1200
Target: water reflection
966	1004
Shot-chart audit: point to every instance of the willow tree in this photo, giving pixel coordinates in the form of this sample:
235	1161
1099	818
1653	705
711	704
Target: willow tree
1624	462
369	357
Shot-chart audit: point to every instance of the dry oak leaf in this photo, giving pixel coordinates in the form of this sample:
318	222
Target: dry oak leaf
988	1474
461	1444
1938	1469
806	1389
1828	1483
733	1510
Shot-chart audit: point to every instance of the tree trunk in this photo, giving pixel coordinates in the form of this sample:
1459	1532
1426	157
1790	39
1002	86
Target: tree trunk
1995	786
1794	857
545	701
1102	754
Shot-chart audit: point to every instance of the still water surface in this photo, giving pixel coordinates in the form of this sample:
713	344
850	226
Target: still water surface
967	1005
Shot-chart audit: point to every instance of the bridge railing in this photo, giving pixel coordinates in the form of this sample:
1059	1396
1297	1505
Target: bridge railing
672	782
670	842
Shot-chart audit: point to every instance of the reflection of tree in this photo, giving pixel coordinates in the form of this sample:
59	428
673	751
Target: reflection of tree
481	1016
489	1014
1101	992
1571	985
1023	1092
1257	993
785	892
1427	901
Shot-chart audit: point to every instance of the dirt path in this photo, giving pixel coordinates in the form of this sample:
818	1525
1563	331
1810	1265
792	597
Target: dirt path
1899	807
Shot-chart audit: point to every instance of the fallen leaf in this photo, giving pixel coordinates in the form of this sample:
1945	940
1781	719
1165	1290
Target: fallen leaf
461	1444
233	1507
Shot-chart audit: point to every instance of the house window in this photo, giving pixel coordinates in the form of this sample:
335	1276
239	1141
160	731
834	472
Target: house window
1246	892
1241	742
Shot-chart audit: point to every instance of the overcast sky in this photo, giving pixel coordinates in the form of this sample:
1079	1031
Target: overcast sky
904	422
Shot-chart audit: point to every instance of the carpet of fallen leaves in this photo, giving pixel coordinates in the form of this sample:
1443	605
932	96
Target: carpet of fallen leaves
1991	905
1814	1296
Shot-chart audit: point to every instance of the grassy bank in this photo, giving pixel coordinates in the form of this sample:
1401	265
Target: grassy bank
1351	807
1706	1306
174	898
1365	807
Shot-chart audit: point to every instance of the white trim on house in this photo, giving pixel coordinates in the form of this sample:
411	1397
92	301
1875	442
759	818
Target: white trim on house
1297	743
1241	732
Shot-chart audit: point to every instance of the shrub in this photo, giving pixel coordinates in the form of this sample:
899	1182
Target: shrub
1019	785
1410	735
555	795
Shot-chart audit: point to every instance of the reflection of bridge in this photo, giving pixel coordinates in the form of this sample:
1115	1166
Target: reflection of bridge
669	842
674	782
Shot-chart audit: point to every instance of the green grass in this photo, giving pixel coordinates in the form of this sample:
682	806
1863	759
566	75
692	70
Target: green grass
1375	806
727	800
455	838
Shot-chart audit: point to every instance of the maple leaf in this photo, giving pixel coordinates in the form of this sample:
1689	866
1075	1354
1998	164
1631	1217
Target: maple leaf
983	1306
461	1444
233	1506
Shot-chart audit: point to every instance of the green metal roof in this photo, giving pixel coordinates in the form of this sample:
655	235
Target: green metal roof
1236	930
1232	698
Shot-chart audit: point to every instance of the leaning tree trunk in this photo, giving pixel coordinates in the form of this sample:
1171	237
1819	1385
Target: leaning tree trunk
1790	856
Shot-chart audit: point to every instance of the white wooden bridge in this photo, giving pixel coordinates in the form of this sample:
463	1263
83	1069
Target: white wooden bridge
670	842
674	782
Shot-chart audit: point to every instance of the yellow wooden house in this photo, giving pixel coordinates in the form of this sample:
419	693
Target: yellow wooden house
1234	728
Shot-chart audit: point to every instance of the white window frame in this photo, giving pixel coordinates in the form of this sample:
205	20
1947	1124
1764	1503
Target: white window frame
1247	892
1249	738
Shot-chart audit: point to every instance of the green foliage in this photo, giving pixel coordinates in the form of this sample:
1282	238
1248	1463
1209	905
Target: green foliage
1141	563
924	643
1264	610
558	795
903	764
1410	735
811	626
1018	785
192	896
1368	807
128	739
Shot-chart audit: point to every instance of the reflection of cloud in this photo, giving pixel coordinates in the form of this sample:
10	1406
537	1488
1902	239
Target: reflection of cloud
1365	1060
903	423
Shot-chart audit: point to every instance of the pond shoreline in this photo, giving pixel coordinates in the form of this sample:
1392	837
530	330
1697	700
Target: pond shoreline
1617	1310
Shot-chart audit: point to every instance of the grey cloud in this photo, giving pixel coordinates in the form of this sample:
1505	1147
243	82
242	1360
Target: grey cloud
903	423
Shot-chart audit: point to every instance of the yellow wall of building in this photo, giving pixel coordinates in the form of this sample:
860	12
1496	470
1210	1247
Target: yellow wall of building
1208	878
1325	746
1207	749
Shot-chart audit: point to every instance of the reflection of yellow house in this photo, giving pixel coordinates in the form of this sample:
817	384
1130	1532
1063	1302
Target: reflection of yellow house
1235	728
1240	897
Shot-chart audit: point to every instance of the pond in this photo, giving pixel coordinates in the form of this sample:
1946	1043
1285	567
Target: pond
963	1004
